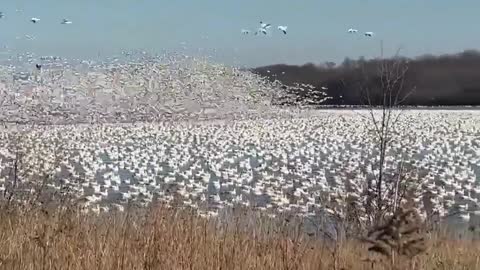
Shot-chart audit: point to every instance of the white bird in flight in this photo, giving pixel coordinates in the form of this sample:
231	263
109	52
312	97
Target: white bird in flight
263	28
351	30
35	20
283	29
65	21
265	25
369	34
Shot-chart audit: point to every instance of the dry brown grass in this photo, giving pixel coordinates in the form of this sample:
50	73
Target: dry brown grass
165	238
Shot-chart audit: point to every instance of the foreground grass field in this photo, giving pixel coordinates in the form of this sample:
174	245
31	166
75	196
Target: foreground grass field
167	238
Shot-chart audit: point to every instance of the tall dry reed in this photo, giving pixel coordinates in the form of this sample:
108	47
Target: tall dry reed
167	238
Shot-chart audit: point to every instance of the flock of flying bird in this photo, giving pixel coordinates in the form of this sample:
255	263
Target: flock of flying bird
263	29
37	20
141	87
354	31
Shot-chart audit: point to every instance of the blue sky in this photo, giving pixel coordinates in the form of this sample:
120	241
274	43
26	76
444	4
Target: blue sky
317	28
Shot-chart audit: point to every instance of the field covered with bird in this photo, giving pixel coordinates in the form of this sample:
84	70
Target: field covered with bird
172	156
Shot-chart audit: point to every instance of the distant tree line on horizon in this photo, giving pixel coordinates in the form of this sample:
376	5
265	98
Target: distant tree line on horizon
445	80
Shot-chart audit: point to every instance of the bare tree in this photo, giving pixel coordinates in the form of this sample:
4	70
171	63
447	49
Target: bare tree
384	97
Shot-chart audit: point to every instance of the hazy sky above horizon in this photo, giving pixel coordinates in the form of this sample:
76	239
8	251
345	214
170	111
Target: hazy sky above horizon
316	28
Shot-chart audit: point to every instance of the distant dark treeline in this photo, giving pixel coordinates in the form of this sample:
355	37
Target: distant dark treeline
438	80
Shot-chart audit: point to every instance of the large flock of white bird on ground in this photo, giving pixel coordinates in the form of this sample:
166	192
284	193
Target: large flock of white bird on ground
203	135
301	164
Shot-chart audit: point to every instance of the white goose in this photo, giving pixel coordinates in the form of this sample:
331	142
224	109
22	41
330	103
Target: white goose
265	25
65	21
283	29
263	28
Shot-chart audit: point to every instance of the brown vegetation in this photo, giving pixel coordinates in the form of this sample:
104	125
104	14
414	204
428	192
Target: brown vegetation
442	80
167	238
